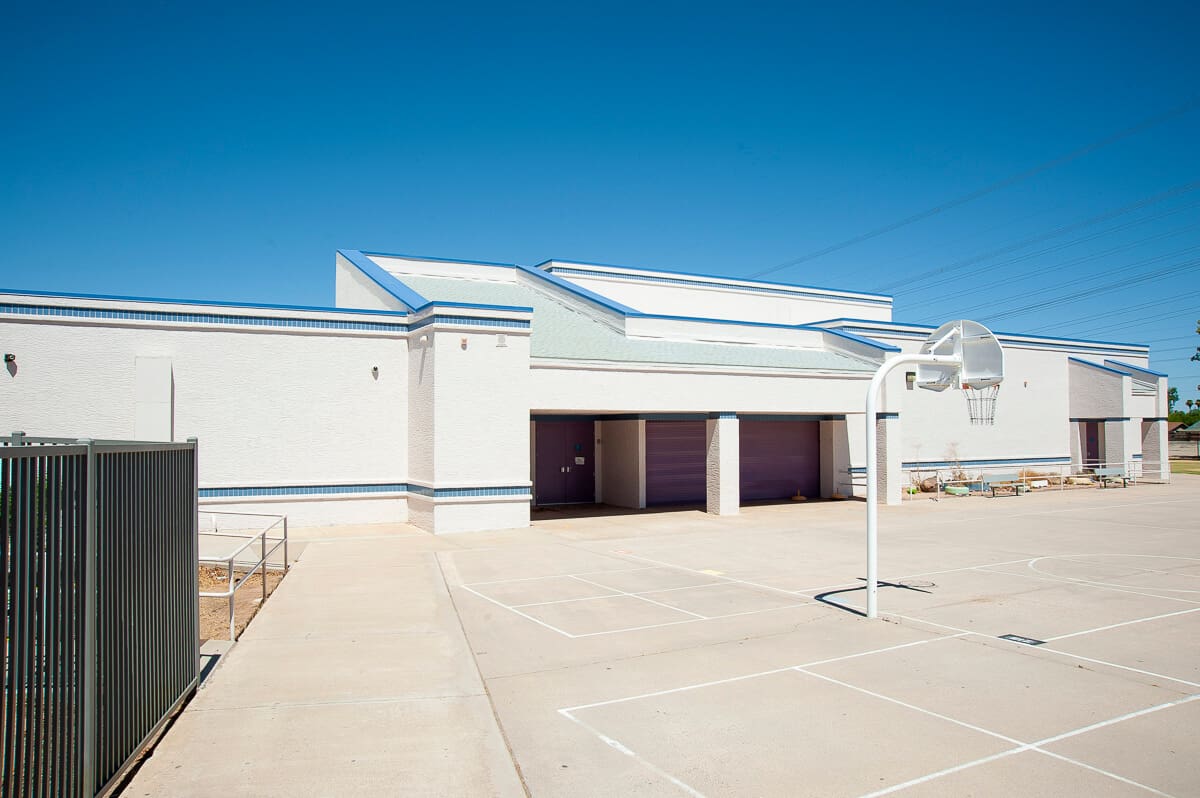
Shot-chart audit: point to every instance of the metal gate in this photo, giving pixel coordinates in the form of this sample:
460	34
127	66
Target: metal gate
98	554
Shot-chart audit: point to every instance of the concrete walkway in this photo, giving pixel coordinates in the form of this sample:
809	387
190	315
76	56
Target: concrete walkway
354	680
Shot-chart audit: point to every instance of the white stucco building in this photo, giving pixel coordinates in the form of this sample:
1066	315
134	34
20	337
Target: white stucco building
456	394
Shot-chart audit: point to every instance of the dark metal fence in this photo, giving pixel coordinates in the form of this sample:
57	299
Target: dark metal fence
98	566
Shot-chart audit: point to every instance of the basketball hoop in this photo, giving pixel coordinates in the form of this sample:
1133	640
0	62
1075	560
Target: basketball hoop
960	353
981	403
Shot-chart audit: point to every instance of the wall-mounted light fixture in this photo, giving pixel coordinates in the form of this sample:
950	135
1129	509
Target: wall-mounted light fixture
910	379
463	343
501	341
9	357
375	372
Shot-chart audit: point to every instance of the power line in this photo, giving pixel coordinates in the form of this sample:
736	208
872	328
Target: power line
1145	124
1054	233
1069	298
1092	277
1154	317
1120	312
1039	269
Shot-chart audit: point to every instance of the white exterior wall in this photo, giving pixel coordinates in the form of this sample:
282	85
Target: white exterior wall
470	421
583	388
353	289
1032	413
728	301
271	406
1096	393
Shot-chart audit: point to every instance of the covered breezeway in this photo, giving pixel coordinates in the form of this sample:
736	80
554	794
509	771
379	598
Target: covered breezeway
652	461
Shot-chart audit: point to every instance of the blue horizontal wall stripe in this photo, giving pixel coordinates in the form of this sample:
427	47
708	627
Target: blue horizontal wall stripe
328	490
445	493
302	490
514	324
197	318
918	464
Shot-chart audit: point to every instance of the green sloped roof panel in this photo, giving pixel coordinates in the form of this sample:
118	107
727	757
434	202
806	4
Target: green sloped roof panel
562	331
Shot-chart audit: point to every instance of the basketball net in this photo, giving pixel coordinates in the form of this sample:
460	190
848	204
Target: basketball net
981	404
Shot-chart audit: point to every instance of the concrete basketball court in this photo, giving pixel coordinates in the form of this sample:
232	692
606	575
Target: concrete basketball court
677	653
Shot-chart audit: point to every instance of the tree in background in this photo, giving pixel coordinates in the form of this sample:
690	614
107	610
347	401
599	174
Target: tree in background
1172	398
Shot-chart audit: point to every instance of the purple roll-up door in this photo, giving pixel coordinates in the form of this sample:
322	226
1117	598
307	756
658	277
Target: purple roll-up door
675	462
780	459
565	469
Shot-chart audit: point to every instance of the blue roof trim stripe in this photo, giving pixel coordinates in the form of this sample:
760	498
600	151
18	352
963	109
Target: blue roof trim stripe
568	263
797	291
384	279
1097	366
476	306
580	291
1142	369
438	260
860	339
996	332
202	302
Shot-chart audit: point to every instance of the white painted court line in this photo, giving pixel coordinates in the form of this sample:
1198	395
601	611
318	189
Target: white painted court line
693	620
861	583
1037	746
660	563
562	601
643	598
1033	567
1123	623
1121	667
560	576
1071	581
622	593
814	664
907	705
1019	746
616	745
518	612
1086	508
1102	772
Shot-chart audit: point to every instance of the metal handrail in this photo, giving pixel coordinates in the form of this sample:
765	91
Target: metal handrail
229	560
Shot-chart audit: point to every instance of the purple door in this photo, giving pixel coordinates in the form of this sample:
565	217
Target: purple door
565	470
780	459
675	462
1091	443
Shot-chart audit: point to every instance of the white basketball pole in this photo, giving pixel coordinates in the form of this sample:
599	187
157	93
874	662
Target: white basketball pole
873	468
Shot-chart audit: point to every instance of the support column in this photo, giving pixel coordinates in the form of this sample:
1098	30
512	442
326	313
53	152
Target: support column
887	432
835	458
723	464
1116	452
1156	464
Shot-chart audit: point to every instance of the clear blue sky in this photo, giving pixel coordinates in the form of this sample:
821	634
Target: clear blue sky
173	150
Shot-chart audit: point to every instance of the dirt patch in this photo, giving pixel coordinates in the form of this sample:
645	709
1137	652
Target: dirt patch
214	612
